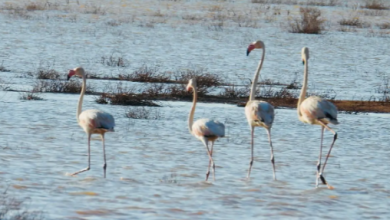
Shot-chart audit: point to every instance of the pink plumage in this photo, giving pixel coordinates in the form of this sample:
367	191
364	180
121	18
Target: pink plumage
92	121
315	108
259	113
316	111
206	130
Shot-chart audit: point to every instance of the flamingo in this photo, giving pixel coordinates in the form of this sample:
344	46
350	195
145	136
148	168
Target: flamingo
316	111
93	121
259	113
204	129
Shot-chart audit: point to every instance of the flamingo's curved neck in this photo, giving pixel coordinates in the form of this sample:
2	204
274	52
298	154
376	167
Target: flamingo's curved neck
302	96
83	88
192	112
256	77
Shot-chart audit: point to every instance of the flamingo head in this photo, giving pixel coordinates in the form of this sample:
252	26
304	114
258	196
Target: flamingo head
255	45
71	73
191	84
79	71
305	54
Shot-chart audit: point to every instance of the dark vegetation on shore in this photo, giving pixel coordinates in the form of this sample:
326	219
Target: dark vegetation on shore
375	5
309	22
171	85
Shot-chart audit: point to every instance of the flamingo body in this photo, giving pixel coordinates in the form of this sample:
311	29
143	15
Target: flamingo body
314	109
208	128
94	121
259	114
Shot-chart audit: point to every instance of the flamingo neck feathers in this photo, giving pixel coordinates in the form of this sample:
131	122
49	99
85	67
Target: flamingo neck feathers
192	112
302	96
83	88
256	77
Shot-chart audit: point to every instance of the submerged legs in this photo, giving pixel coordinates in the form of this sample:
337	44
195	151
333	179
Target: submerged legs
208	169
89	157
251	161
104	157
321	171
272	152
211	161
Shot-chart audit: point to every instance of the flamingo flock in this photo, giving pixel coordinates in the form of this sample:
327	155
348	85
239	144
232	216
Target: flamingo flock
312	110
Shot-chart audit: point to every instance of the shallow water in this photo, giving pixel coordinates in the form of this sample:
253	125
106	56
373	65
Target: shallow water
155	167
354	65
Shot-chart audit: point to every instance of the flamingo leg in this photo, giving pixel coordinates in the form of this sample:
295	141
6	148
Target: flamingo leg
211	153
330	149
319	175
206	144
104	156
251	161
89	157
272	152
331	146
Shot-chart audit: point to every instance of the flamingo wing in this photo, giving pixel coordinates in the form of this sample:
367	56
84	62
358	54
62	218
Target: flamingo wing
315	107
98	119
260	112
208	128
329	111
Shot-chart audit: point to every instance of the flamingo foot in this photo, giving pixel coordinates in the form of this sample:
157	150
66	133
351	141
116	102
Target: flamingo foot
214	171
322	179
104	168
207	175
324	182
319	176
273	167
330	187
317	180
249	170
83	170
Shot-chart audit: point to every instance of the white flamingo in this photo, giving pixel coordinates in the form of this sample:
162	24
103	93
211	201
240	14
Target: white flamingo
316	111
259	113
204	129
93	121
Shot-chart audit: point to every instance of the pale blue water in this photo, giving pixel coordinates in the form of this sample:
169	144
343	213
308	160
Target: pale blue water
155	167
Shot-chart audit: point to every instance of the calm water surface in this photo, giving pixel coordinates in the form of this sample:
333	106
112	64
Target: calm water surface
155	167
353	65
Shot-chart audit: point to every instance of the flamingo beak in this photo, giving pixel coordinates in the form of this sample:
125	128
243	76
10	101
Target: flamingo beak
303	62
71	73
250	48
188	88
